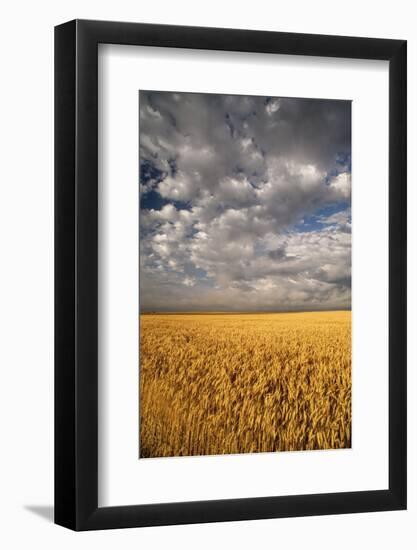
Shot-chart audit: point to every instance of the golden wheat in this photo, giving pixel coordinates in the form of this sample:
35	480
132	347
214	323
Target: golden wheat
244	383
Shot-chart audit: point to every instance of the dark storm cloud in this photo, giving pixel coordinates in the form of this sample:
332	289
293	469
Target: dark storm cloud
227	183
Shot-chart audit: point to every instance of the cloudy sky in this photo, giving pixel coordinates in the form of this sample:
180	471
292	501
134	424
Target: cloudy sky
245	203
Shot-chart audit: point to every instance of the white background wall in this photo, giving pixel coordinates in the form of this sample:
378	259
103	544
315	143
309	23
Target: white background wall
26	271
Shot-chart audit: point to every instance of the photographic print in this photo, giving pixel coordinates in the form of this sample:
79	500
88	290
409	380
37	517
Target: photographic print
245	274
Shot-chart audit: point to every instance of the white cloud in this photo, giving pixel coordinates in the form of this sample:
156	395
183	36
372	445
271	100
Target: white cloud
341	184
239	173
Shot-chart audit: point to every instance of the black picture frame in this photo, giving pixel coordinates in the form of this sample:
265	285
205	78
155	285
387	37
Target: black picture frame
76	272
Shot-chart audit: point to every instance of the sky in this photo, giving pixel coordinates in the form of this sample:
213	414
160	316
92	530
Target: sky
244	203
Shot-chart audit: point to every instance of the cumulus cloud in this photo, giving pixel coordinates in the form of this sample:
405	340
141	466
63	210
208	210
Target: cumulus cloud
245	202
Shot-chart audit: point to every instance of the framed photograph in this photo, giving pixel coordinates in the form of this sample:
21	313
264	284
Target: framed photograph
230	254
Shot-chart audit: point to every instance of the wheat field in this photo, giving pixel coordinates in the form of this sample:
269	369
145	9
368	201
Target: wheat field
215	384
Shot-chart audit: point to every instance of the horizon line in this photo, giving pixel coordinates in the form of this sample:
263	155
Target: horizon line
237	312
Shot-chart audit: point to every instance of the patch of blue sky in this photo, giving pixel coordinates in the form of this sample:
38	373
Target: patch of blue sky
344	160
149	173
316	221
199	274
343	163
150	177
152	200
